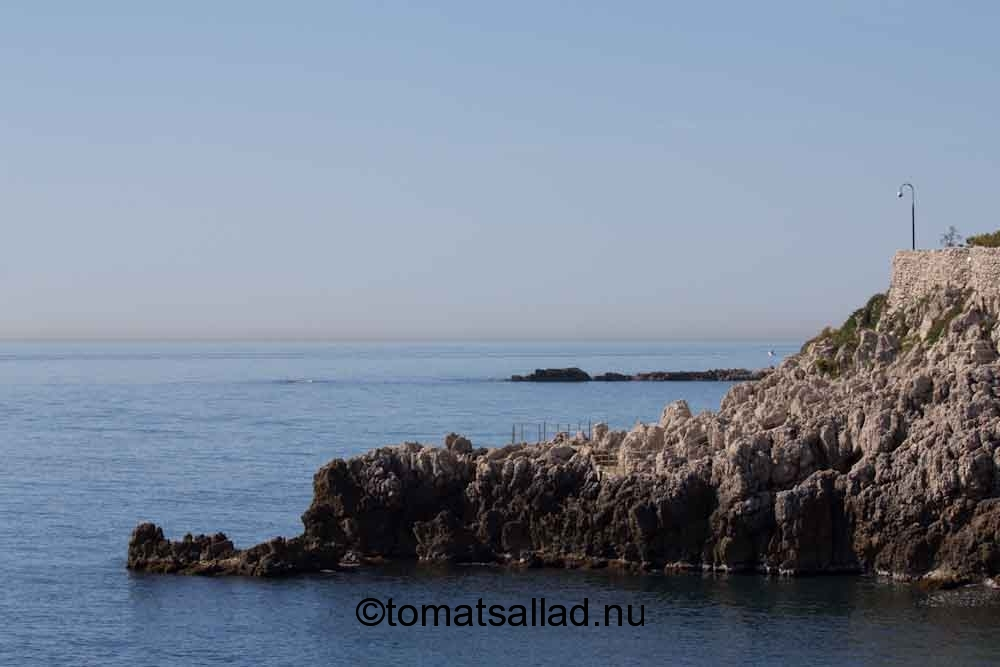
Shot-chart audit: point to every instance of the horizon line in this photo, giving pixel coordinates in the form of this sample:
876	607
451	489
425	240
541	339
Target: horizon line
781	340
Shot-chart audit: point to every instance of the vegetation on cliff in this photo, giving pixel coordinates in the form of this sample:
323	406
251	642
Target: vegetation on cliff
845	339
846	336
990	240
859	454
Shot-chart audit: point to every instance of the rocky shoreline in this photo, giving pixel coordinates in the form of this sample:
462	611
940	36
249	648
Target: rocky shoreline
874	450
574	374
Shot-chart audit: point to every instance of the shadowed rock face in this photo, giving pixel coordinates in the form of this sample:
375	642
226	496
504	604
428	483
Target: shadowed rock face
546	502
875	449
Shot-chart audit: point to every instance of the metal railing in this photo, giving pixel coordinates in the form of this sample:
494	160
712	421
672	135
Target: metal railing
543	430
606	462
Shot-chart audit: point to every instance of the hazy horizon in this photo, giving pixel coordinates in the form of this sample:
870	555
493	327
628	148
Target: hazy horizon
291	340
246	172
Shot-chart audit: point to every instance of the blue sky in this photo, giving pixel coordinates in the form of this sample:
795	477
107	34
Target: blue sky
480	170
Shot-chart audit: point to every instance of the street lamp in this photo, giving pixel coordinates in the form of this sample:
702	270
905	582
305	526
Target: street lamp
913	210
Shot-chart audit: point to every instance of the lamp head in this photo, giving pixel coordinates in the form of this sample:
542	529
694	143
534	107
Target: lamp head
899	195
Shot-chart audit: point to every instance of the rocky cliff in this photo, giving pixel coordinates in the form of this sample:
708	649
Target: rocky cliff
875	449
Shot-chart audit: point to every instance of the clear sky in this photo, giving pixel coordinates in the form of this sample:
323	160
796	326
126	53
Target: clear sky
481	170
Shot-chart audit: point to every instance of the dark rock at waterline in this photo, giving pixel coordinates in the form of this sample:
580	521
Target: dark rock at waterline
713	375
613	377
149	551
553	375
860	454
578	375
458	444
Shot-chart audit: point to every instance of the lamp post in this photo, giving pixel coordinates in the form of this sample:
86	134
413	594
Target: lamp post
913	211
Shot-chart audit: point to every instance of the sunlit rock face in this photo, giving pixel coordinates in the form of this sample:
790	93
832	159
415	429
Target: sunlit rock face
874	449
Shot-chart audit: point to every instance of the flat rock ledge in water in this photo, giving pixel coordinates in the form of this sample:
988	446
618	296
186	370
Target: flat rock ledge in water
554	375
577	375
873	450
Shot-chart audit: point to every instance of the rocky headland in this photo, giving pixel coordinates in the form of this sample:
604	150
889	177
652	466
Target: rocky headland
873	450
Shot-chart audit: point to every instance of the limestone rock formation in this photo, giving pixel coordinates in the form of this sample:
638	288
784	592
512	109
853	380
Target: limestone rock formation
873	450
149	551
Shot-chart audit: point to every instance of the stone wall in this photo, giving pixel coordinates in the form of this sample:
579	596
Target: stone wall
916	273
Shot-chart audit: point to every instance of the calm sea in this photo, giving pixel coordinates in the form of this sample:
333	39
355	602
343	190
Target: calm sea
206	437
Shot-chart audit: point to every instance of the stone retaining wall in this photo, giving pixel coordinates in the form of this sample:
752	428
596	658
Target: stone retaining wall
917	273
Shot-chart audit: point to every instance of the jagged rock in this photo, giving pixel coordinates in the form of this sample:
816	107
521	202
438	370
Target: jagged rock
445	538
886	348
561	452
674	414
875	449
515	539
599	431
810	528
982	352
457	444
149	551
772	416
866	349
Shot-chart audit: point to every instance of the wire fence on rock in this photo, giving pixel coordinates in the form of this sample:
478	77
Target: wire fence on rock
543	431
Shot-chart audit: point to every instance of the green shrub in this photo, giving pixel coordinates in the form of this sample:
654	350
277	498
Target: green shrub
984	240
827	367
822	335
866	317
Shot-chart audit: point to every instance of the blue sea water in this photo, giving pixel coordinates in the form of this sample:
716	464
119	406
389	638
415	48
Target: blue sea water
206	437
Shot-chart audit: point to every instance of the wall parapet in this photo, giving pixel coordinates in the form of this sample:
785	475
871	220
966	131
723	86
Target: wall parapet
918	273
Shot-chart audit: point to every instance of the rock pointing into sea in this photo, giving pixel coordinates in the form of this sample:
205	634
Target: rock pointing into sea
875	449
149	551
